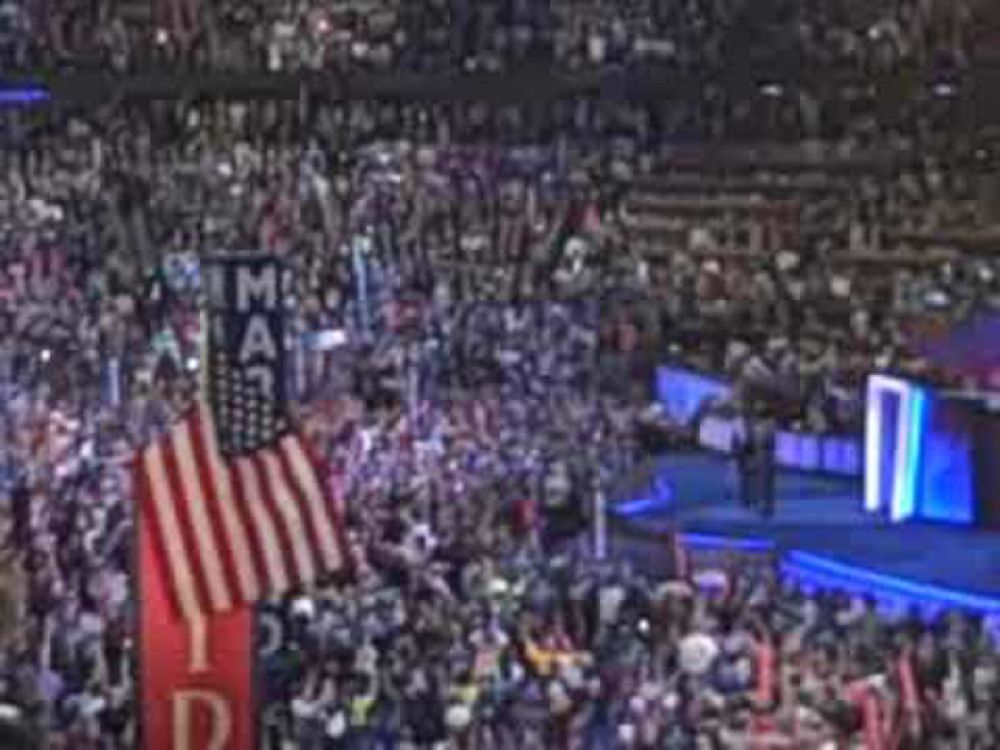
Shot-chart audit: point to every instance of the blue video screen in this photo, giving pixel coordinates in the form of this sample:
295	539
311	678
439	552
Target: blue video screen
947	490
927	455
683	392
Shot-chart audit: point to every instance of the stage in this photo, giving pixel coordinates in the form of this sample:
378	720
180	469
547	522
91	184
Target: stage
819	533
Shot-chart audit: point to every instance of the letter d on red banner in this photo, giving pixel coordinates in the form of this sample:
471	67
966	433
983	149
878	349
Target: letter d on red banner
195	681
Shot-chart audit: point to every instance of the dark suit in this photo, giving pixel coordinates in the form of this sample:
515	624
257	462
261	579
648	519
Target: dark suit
764	473
743	454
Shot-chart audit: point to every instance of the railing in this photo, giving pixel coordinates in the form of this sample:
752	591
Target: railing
642	83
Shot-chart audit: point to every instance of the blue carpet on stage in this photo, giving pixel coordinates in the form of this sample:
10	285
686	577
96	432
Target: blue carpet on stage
819	521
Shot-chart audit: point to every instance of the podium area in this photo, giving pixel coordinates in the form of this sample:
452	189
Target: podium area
821	533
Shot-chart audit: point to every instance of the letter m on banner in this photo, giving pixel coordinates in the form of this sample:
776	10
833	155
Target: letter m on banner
231	510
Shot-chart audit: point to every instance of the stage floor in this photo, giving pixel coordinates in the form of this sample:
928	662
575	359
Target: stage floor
819	523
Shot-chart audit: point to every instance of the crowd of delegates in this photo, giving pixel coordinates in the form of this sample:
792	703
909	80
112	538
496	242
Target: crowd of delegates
484	644
448	35
438	217
491	298
97	359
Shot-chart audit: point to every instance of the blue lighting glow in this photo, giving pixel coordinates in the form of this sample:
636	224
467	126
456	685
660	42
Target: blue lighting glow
639	507
905	501
658	497
684	392
918	454
23	96
829	573
946	467
884	424
741	544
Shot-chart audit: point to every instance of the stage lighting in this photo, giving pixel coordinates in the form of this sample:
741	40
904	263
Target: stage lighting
827	573
909	429
23	96
738	544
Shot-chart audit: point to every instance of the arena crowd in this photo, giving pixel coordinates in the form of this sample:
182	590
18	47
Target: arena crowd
448	35
482	292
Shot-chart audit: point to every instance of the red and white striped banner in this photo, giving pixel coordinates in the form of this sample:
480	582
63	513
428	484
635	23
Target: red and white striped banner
233	531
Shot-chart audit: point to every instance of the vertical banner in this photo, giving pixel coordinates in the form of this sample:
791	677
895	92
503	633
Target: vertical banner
245	337
360	247
197	673
299	379
600	525
196	681
111	382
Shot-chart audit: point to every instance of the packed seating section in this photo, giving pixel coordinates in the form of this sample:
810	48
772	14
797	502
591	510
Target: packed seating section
526	269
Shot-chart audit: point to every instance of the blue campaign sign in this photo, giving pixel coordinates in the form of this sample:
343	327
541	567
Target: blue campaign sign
246	329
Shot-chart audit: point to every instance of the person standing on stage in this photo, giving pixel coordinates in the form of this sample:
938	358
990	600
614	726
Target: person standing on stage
763	439
742	456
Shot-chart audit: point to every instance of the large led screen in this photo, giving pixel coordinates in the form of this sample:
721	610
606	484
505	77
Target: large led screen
927	454
683	392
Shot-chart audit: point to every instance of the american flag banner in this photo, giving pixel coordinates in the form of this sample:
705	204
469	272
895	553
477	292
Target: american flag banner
234	497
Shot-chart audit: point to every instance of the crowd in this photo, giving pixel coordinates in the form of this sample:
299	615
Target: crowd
448	35
463	650
494	307
806	334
